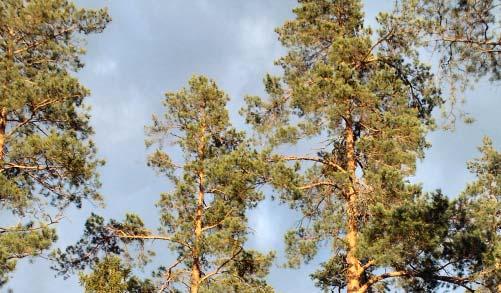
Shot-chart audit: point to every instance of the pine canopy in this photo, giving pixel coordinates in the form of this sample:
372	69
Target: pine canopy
47	158
364	99
359	101
203	218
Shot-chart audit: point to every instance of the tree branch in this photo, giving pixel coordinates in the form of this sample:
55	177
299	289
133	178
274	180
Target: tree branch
121	234
219	222
216	271
448	279
316	184
24	230
37	43
313	159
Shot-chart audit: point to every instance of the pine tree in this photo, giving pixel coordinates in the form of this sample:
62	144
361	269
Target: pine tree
480	209
47	159
204	217
364	100
460	237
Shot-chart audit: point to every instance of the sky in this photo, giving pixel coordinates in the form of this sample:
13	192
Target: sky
154	46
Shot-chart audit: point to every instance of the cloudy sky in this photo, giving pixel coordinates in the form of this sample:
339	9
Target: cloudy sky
155	45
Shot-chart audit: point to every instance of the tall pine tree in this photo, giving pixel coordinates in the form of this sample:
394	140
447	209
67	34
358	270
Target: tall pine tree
364	100
204	217
47	159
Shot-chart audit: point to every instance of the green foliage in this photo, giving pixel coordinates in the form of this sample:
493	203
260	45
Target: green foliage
111	276
480	209
97	238
363	100
22	241
47	159
465	34
337	79
431	235
219	163
246	274
342	81
204	217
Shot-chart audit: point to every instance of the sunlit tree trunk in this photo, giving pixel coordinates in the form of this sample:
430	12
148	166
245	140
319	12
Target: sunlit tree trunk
196	272
355	270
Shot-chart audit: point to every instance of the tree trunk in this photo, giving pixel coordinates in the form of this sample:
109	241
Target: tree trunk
3	125
355	270
196	272
195	269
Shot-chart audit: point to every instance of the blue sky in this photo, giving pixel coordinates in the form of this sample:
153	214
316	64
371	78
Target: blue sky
153	46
